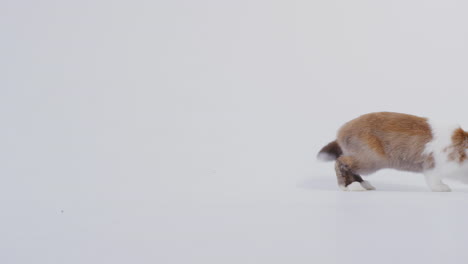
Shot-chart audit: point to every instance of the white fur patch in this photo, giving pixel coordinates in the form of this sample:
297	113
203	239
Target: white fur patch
323	156
367	185
355	187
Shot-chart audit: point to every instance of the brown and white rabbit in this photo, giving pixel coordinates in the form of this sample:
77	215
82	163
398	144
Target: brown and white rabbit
398	141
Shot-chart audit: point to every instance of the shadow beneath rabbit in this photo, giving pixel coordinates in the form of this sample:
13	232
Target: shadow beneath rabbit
326	184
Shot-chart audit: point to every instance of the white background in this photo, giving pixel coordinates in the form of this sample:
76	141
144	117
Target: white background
186	131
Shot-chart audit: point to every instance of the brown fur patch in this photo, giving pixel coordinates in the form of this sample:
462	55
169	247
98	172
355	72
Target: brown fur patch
430	162
386	140
457	151
375	144
349	162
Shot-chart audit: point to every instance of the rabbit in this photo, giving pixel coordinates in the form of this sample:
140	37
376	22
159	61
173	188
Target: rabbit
398	141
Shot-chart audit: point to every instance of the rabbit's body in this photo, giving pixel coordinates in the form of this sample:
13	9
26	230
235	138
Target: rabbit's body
398	141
